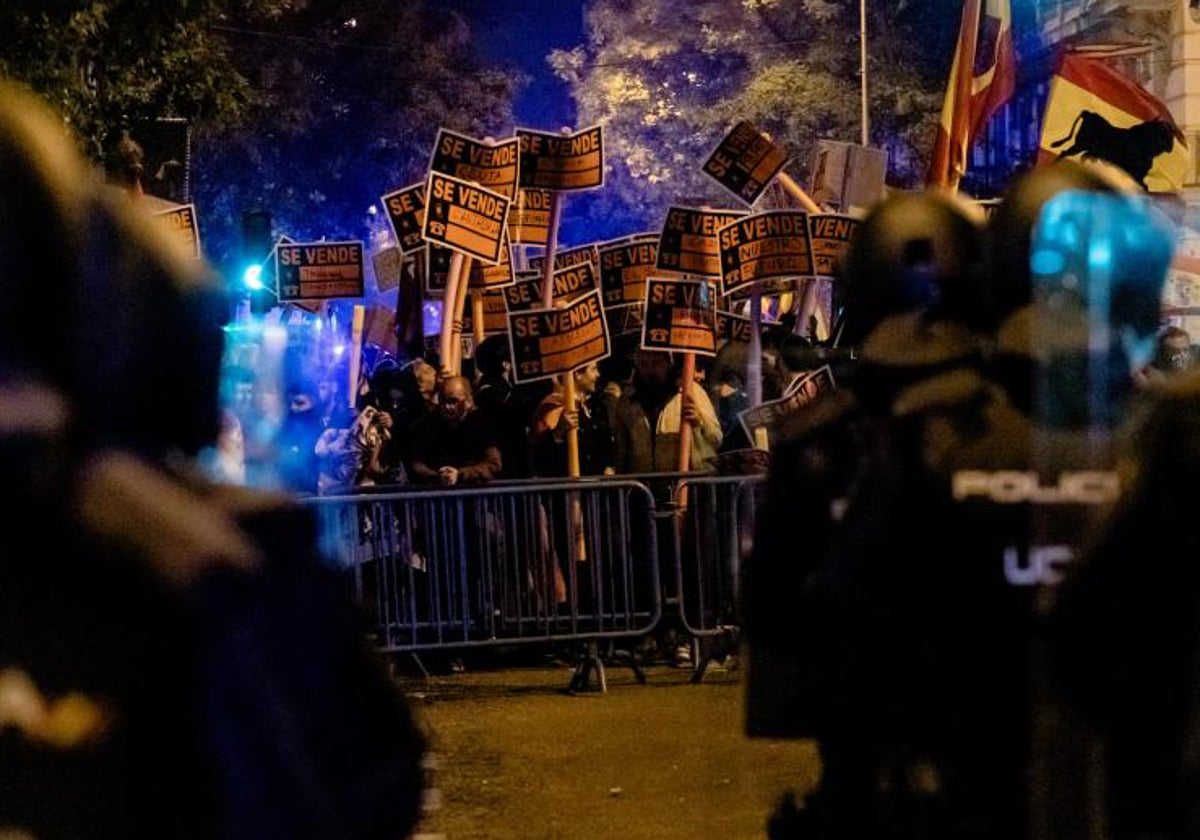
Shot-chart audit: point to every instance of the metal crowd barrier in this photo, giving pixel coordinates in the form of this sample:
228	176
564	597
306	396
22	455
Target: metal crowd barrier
533	562
519	562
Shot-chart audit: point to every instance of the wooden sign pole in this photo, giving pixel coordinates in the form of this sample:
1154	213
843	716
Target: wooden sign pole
449	298
754	350
460	304
356	343
477	316
808	303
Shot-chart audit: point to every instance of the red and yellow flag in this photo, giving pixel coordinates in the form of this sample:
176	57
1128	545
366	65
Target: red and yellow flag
1095	112
982	79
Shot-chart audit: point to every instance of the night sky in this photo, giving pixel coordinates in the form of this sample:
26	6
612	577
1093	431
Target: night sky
522	33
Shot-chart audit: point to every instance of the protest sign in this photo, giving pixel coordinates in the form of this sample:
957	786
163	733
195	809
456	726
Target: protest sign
181	221
493	311
766	245
490	165
561	162
733	328
679	315
625	319
436	269
569	283
803	390
624	266
308	270
494	276
387	265
566	258
548	342
529	219
465	217
406	213
745	162
830	235
688	241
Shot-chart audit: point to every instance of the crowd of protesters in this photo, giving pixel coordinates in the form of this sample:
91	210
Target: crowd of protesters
414	424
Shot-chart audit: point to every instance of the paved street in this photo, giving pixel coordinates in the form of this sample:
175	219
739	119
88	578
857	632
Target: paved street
516	757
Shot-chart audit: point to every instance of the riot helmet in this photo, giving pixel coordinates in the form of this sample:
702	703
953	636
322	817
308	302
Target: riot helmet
914	252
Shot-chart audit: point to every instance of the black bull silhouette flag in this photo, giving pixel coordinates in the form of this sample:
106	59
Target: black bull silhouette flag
1095	112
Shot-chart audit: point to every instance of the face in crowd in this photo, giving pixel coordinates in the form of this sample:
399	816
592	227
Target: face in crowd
426	378
586	379
455	400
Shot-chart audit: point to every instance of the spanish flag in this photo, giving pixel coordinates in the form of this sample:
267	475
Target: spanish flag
1095	112
982	79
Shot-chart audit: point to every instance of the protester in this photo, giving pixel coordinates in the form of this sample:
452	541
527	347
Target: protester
178	663
553	421
649	417
1172	355
454	445
500	403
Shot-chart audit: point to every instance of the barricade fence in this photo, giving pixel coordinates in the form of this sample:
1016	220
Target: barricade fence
524	562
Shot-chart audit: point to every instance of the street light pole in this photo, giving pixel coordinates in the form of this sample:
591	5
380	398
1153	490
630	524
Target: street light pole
862	62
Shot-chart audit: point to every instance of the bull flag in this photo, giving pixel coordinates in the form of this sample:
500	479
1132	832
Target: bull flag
1094	111
982	79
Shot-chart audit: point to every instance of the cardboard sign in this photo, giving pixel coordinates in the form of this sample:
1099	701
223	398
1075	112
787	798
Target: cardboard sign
830	235
529	219
548	342
562	162
494	276
569	283
626	319
379	328
465	217
624	266
763	246
493	166
688	242
309	270
436	270
495	314
745	162
181	221
803	390
406	213
847	176
567	258
387	265
679	315
733	328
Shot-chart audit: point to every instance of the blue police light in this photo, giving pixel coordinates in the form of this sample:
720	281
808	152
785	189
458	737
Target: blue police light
252	276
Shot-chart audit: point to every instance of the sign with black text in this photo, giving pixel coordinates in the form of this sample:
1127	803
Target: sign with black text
569	283
406	212
830	235
562	161
733	328
745	162
624	266
803	390
529	219
181	221
548	342
688	241
566	258
763	246
494	276
495	314
310	270
436	270
679	315
625	319
493	166
465	217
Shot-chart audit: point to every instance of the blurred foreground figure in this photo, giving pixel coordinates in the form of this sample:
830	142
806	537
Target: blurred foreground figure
174	661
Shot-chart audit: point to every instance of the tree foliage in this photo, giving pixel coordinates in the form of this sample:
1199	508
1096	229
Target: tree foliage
668	79
311	109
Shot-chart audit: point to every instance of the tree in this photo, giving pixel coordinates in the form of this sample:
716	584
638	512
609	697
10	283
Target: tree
668	79
106	65
351	95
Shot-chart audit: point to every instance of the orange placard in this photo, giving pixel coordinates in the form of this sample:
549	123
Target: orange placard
764	246
548	342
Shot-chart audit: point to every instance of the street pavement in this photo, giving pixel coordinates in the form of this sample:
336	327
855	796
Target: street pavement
515	757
